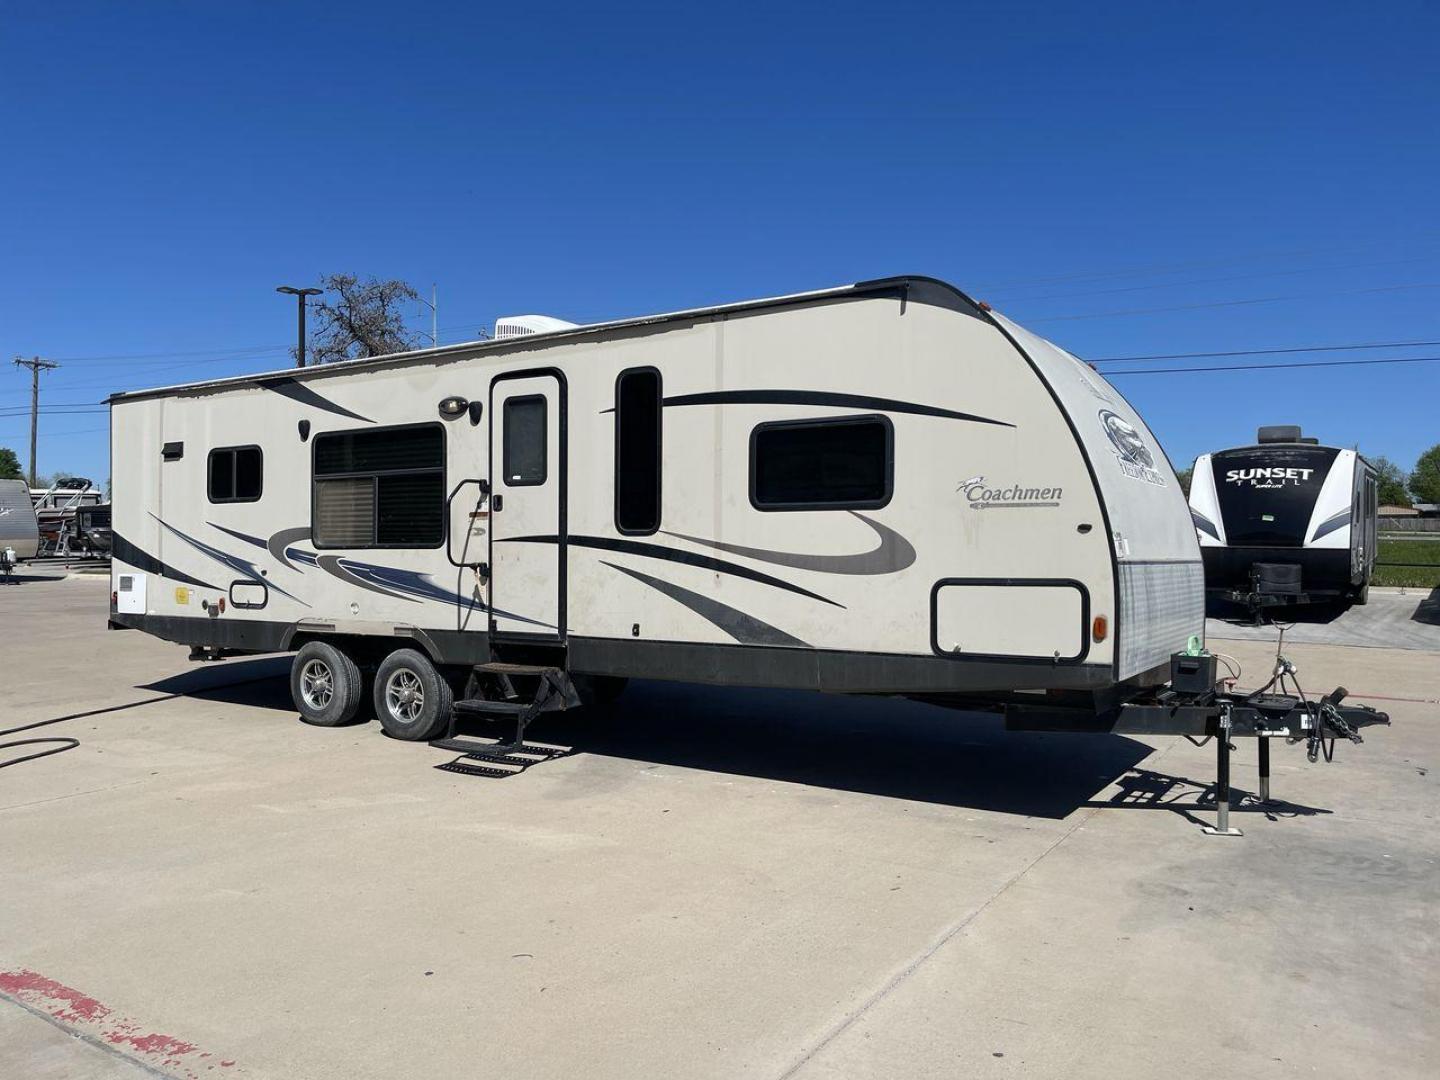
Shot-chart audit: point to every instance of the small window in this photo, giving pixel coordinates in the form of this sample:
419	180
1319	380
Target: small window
236	474
637	451
524	456
840	463
379	488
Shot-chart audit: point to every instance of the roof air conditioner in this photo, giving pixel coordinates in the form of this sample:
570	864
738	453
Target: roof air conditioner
510	326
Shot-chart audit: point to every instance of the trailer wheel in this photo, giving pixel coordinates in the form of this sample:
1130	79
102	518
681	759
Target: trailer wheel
412	699
1362	595
326	685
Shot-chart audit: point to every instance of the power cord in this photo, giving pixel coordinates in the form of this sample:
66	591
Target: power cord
66	743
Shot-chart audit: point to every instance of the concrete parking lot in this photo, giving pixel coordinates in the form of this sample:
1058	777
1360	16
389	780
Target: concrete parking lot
713	884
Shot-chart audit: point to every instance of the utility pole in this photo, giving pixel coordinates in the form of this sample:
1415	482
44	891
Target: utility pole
36	365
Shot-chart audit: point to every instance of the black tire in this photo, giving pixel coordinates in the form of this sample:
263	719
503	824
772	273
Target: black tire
326	685
1362	595
412	699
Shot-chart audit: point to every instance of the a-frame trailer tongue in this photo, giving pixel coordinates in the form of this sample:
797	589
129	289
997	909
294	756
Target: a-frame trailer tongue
1195	707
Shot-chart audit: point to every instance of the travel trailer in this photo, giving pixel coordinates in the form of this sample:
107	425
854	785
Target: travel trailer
19	531
883	488
1286	521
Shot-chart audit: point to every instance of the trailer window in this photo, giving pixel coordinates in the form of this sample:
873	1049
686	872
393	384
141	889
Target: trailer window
840	463
524	457
379	488
236	474
637	451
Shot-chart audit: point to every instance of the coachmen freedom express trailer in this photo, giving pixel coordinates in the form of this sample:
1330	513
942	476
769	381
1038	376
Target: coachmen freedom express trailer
879	488
1286	521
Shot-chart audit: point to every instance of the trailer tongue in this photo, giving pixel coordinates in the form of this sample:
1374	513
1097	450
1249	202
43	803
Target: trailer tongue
1195	706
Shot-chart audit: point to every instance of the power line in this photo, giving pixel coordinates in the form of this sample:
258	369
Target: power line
1275	367
1238	303
170	355
1172	268
1261	352
1219	280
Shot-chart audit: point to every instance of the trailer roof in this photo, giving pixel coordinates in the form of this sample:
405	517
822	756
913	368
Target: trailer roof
915	287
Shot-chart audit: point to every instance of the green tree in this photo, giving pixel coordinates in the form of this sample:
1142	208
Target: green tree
1425	479
364	319
1184	475
1392	480
9	465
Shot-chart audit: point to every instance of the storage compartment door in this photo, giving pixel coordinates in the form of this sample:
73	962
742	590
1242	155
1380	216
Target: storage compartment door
1010	619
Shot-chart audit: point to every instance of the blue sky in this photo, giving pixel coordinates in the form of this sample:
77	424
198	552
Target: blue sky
1125	179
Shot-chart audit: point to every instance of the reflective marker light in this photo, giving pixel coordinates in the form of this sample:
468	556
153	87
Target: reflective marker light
453	407
1100	627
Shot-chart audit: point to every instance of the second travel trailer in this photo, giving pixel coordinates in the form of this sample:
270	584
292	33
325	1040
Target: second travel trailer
879	488
1285	521
19	531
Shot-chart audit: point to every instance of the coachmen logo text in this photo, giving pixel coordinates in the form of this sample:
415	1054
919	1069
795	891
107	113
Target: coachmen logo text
1268	478
982	497
1131	453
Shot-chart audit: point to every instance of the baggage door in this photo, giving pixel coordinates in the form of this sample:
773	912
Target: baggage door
527	499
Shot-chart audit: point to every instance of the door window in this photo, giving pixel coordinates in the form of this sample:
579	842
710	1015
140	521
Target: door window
524	461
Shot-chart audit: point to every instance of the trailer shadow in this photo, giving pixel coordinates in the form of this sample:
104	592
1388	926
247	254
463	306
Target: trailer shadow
1144	789
876	746
1428	610
261	682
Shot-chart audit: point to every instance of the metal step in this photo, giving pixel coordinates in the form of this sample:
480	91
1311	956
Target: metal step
498	751
472	768
498	667
485	707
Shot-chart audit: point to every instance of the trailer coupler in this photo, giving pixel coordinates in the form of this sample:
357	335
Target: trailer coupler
1223	716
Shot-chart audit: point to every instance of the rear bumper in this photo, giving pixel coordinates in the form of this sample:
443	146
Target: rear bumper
1322	572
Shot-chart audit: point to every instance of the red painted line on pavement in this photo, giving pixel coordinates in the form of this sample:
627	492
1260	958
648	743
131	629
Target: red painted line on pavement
80	1012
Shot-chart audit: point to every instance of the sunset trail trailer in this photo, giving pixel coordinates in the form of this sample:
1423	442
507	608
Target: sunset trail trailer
882	488
1285	521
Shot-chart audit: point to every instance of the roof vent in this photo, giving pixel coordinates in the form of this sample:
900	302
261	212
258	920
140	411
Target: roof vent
1279	433
511	326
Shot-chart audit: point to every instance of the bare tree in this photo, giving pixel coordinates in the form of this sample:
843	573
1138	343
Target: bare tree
365	320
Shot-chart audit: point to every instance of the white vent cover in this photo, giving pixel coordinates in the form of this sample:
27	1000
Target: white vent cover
524	325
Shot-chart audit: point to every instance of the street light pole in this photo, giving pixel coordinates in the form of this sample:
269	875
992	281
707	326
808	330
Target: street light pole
300	295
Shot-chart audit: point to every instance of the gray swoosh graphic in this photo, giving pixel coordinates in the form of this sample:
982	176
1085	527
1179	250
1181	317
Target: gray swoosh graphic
744	628
894	553
1330	524
330	564
277	544
1200	521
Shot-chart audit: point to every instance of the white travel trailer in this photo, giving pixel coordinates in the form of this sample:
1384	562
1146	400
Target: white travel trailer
1285	521
879	488
19	531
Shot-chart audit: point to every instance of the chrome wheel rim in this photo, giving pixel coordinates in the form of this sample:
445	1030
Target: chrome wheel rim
405	696
317	684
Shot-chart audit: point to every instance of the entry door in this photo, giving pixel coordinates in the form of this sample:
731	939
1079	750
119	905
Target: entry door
527	485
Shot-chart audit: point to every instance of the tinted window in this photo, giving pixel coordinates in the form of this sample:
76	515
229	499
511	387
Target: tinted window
382	488
821	464
235	474
1268	493
637	451
524	457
